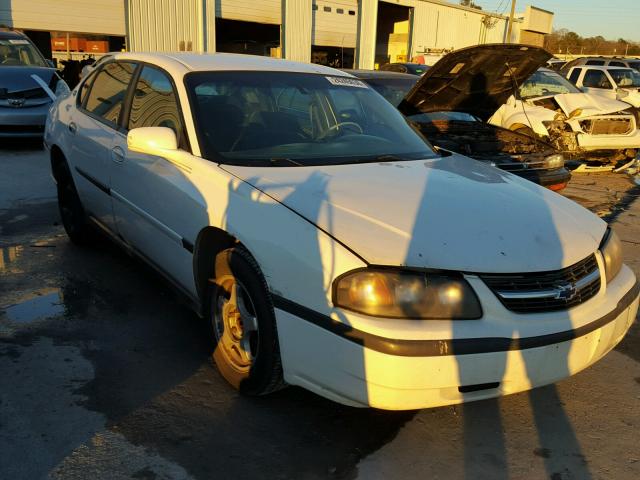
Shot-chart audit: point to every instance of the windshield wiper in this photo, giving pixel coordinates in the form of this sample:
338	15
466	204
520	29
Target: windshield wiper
275	160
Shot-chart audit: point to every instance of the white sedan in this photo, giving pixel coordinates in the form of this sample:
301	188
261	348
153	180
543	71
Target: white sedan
327	244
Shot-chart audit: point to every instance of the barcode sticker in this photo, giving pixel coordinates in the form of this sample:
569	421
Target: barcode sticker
347	82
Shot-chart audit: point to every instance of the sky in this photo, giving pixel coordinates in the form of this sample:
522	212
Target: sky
612	19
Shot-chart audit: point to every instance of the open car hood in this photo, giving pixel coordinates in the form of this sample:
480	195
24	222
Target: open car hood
474	80
583	105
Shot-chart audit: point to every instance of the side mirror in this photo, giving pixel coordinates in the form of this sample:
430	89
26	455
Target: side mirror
52	63
159	141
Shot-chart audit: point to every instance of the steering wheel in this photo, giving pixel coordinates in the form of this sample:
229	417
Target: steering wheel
337	126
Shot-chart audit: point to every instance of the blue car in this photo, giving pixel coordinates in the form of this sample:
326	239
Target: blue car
28	85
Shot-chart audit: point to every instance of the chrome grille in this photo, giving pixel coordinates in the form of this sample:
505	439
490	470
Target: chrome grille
546	291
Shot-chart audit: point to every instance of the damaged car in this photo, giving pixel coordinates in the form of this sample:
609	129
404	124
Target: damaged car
325	242
580	125
28	86
452	101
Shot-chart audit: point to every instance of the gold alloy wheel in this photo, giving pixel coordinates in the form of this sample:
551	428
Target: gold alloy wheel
235	325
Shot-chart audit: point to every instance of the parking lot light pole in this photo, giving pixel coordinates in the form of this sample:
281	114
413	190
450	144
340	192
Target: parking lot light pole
510	27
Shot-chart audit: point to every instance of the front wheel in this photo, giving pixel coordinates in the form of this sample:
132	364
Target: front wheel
243	327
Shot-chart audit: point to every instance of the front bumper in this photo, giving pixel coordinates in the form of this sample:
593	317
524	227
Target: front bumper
609	142
24	122
361	369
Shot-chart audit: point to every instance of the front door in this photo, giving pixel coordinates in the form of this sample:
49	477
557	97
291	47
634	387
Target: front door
158	210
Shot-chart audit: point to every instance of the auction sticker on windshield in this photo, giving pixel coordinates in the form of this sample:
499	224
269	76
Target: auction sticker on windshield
347	82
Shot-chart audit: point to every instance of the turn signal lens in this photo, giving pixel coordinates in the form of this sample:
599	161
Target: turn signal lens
611	250
554	161
411	295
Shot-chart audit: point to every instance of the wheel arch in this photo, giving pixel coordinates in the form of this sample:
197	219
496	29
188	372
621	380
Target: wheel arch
59	165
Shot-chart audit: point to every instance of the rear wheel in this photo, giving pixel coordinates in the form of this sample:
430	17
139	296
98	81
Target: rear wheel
72	213
243	327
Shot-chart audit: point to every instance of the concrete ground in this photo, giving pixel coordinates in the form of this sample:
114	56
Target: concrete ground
104	374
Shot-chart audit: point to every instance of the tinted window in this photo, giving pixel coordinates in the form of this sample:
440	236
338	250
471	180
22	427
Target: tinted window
574	75
625	78
154	103
598	63
107	94
617	64
596	79
286	118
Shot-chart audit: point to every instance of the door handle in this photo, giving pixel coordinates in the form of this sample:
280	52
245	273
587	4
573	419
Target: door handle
73	128
117	154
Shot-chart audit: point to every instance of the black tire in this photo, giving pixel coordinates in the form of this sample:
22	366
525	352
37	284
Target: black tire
261	373
74	218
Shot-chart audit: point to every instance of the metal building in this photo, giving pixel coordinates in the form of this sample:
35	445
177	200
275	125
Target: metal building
63	27
360	33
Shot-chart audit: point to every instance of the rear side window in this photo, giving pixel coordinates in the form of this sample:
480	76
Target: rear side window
617	64
596	79
155	104
595	63
575	74
108	91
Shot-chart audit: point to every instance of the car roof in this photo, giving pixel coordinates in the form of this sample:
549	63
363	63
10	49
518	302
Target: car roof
6	34
602	67
185	62
380	74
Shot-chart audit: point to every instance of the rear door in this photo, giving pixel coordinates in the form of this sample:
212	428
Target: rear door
157	208
93	126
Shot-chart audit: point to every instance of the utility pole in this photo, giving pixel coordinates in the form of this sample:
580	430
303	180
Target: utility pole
513	11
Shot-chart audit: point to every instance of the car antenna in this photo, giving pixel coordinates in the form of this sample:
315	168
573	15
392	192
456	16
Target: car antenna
516	95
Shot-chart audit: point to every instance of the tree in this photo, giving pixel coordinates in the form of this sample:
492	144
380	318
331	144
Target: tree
470	4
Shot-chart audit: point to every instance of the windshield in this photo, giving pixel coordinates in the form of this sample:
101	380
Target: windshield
285	119
393	89
542	83
19	52
625	78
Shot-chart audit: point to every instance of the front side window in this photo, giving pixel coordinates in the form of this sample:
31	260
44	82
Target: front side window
625	78
596	79
108	91
286	118
543	83
154	103
20	53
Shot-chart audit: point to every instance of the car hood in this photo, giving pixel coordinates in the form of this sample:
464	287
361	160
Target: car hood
18	79
585	105
450	213
475	80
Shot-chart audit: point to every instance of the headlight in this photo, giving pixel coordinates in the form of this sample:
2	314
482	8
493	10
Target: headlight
611	250
410	295
622	93
554	161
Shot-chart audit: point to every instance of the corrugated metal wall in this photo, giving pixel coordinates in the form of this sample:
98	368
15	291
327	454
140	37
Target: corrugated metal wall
336	27
440	26
83	16
296	30
165	25
261	11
